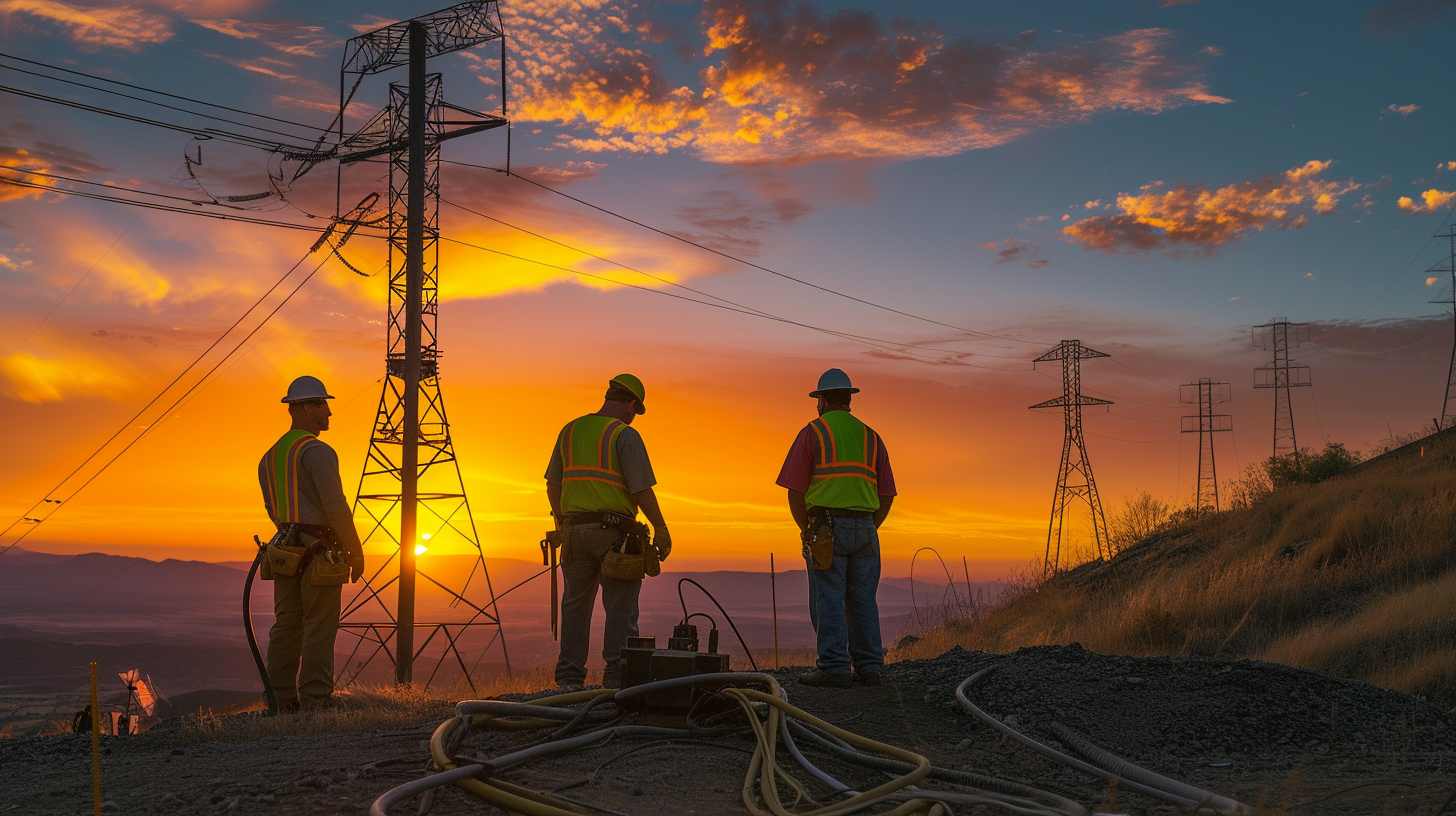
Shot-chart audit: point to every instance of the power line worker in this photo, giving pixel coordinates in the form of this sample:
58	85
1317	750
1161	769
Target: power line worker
598	478
840	488
315	550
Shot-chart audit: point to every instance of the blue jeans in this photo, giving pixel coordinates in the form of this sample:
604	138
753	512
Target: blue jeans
842	605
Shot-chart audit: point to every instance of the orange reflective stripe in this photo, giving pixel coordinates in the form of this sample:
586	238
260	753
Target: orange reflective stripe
826	439
283	485
604	445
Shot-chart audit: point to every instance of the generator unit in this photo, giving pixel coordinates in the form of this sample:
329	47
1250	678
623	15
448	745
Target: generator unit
643	662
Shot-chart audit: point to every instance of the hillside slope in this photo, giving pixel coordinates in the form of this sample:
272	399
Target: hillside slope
1355	575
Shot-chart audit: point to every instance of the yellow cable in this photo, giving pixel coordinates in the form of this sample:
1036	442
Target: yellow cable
518	799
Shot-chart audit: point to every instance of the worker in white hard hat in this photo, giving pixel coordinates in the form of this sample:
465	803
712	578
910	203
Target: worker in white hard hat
840	488
314	552
597	479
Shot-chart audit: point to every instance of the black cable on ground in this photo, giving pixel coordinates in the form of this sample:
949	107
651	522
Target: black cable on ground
1343	791
268	692
727	617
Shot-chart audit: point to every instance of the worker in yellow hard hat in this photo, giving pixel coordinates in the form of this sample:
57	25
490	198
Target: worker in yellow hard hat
314	552
598	478
840	488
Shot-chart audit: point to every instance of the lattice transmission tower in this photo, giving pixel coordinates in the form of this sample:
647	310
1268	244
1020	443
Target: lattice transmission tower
1207	395
1448	408
411	490
1074	475
1281	375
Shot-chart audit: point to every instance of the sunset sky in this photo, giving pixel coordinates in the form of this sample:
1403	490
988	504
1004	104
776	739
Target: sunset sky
1151	178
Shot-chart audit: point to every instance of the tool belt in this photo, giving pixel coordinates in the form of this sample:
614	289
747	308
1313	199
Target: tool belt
323	560
818	537
604	518
633	558
834	512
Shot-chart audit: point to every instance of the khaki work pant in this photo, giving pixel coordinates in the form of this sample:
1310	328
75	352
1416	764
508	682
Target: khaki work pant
301	642
581	568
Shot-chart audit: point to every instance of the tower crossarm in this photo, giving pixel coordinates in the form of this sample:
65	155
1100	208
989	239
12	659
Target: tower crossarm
1063	402
1069	350
460	26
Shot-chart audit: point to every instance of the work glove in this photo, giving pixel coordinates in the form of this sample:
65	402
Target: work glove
356	566
662	542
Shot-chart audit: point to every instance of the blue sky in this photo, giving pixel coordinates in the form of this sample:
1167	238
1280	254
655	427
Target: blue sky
809	139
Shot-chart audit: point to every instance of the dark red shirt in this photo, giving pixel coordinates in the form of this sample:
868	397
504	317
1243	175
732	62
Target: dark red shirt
799	466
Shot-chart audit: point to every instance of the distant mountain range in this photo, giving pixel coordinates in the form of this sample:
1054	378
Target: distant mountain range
181	622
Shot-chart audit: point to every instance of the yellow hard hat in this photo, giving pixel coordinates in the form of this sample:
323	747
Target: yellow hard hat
634	385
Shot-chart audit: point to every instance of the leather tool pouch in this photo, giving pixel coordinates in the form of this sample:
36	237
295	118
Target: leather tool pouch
628	560
282	560
324	570
821	543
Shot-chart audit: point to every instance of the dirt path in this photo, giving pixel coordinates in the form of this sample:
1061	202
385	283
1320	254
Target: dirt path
1268	735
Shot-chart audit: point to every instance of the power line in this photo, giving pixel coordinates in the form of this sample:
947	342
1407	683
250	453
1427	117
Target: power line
735	304
30	171
201	133
1144	376
162	417
744	262
1400	348
736	259
159	104
1417	257
877	342
153	91
163	207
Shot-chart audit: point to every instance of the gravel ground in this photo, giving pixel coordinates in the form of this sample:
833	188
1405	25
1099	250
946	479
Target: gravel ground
1269	735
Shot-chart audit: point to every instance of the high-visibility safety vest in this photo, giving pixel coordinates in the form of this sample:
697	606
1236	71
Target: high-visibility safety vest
592	480
843	475
283	461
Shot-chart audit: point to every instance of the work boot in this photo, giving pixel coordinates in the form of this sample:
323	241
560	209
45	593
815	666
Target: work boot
867	679
824	679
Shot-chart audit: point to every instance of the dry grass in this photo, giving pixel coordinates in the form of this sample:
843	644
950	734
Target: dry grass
1355	575
360	708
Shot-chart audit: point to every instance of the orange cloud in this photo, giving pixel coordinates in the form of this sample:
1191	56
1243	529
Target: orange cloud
1401	110
124	27
1190	214
290	38
20	158
794	84
38	379
1431	200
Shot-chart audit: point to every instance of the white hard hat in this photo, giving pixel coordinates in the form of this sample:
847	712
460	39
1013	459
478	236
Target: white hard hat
306	388
833	380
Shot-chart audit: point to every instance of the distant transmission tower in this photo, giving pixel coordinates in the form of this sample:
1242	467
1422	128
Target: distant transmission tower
1448	409
1282	375
411	441
1206	394
1074	477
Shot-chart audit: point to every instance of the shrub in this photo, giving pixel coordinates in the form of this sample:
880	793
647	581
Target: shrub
1141	516
1305	467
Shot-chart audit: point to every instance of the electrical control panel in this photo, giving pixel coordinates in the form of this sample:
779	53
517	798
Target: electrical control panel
643	662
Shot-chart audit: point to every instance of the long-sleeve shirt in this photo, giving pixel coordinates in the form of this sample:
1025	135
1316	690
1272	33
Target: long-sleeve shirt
321	498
